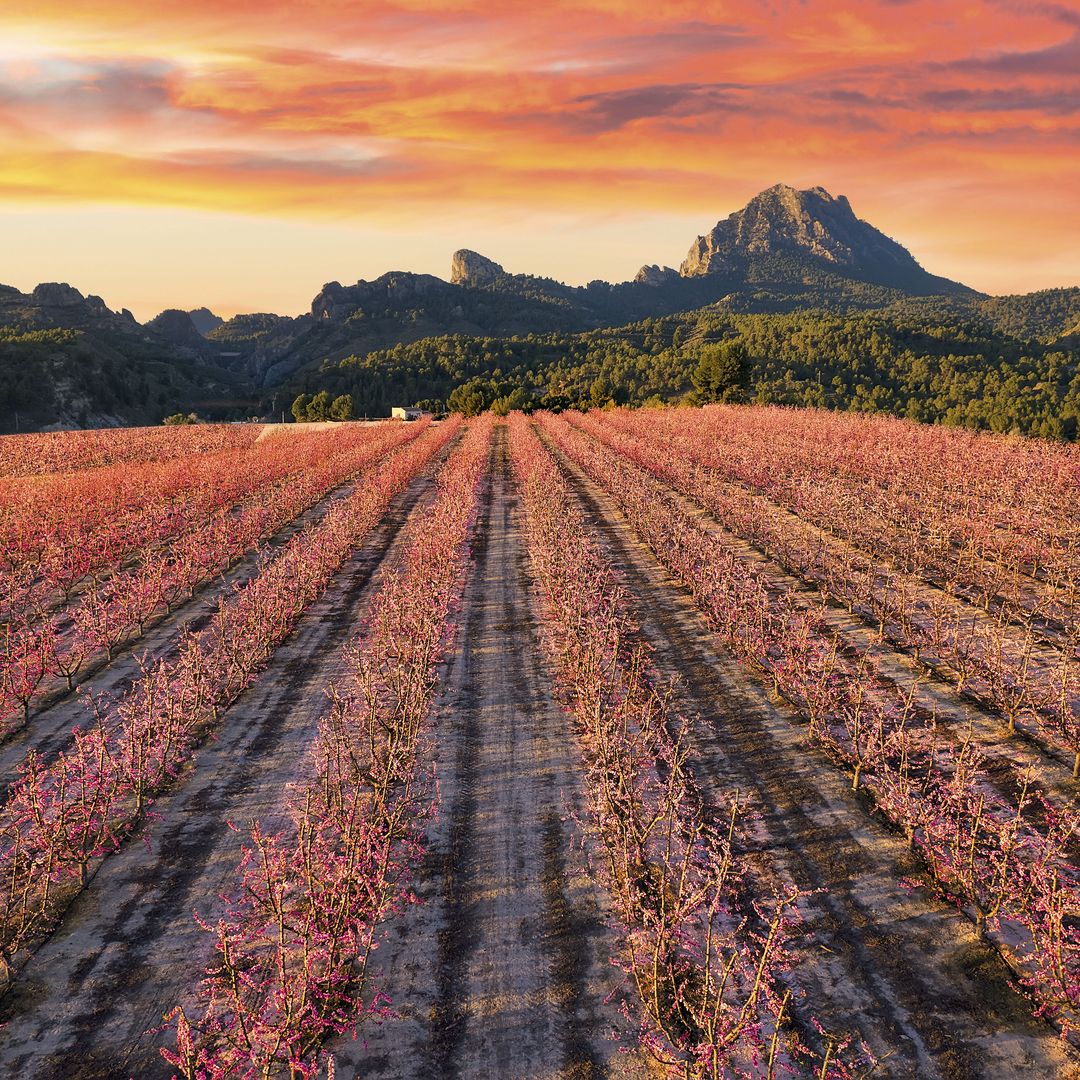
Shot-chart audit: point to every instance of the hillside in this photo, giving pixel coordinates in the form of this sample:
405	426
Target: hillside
67	360
928	365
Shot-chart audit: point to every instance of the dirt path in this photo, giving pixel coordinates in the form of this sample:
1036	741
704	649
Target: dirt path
129	948
503	970
903	970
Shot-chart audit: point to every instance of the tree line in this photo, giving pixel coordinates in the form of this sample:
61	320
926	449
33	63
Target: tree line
929	363
307	408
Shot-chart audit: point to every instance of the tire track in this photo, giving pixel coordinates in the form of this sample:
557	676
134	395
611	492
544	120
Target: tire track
505	968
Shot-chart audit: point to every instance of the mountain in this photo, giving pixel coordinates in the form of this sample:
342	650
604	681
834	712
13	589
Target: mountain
402	307
819	231
66	358
786	250
57	304
178	328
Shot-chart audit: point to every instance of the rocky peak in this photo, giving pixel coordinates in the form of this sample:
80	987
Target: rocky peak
469	268
331	302
810	222
57	294
655	275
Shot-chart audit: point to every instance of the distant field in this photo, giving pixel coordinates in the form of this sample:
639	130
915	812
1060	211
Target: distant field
722	742
301	429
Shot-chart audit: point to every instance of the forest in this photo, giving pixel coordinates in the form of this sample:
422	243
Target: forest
935	361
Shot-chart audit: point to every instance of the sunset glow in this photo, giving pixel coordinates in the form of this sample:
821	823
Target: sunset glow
575	140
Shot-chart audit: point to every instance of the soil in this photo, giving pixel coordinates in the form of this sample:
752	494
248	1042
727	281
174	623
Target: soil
504	969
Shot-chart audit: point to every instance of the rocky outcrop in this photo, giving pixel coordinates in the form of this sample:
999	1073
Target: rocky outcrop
336	302
811	222
331	302
469	268
55	303
656	275
58	294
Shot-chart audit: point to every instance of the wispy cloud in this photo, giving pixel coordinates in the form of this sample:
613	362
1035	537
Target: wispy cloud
614	109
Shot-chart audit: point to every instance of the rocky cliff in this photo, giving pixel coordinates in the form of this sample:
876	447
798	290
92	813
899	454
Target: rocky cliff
469	268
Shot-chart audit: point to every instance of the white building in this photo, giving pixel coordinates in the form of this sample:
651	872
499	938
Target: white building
398	413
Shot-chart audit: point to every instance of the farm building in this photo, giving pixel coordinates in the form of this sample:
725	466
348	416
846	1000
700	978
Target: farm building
398	413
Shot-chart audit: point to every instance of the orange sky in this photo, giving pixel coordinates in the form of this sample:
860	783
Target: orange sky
238	154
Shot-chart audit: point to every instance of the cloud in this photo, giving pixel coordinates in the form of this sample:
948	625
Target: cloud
1058	12
678	40
324	166
1062	58
614	109
1019	99
84	89
420	107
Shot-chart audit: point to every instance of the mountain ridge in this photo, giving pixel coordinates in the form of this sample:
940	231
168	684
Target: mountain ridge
787	250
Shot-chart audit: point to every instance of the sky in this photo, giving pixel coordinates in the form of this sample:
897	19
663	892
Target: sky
240	153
